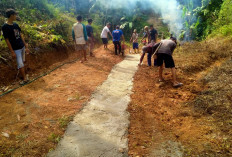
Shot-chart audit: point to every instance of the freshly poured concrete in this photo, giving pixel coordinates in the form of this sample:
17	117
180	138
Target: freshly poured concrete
100	129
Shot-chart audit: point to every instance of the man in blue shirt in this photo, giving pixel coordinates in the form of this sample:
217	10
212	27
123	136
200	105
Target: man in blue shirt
117	34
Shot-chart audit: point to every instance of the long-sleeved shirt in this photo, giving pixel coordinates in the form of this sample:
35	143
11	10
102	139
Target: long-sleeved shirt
79	33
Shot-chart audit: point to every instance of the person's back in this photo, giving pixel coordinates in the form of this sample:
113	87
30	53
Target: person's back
167	47
78	29
117	35
89	30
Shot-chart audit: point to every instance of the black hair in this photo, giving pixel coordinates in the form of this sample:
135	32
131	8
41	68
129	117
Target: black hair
79	18
151	26
173	38
117	27
90	20
10	12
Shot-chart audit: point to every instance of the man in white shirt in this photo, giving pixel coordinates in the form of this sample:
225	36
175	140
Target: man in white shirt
104	35
79	35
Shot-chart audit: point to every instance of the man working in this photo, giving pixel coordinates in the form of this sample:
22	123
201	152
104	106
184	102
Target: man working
90	35
164	55
104	35
79	35
117	34
15	41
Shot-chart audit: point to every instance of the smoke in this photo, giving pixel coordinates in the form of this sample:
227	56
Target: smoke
169	10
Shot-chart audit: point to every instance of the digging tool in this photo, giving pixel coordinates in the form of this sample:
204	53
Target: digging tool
153	56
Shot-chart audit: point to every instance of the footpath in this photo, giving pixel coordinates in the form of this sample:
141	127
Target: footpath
100	129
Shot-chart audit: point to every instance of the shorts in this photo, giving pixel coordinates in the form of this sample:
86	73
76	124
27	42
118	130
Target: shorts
165	58
135	46
20	57
80	47
105	40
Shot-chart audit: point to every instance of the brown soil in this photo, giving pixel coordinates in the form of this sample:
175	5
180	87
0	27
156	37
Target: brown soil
35	116
163	120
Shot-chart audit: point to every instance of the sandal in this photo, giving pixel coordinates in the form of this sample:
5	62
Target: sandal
178	85
23	82
161	80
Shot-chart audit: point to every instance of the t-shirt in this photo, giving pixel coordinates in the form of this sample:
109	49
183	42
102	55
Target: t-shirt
105	32
89	30
153	33
117	35
167	47
135	37
12	32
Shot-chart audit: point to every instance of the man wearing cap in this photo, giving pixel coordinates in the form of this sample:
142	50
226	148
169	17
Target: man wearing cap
15	41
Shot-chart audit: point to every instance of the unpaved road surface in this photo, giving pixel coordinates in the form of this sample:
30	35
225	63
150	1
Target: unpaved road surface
35	116
100	129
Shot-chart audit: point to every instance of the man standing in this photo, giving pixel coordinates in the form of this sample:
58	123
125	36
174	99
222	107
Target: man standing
104	35
153	34
79	35
164	55
15	42
134	40
153	37
90	35
117	34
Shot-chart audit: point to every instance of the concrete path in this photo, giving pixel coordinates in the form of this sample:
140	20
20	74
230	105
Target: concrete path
100	129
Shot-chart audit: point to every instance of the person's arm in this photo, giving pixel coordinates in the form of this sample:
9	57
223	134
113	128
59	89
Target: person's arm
111	35
25	44
10	47
73	34
85	33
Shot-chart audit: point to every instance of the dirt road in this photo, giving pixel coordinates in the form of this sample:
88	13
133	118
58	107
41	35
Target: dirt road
36	115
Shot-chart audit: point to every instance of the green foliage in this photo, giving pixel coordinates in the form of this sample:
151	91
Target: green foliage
223	24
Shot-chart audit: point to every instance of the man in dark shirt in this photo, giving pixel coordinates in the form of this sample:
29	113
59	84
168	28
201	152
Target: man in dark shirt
153	34
152	38
164	55
90	35
15	41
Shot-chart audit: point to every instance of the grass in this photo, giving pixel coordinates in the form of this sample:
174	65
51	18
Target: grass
54	138
63	121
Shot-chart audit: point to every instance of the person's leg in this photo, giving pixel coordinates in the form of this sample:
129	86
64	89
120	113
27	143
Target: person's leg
161	68
174	76
115	47
22	72
141	58
20	62
120	47
149	59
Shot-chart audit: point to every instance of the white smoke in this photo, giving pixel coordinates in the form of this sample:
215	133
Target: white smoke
168	9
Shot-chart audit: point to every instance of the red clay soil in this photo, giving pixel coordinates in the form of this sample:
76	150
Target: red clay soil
161	117
35	116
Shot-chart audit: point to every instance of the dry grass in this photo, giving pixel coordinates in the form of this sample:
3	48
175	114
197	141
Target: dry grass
198	56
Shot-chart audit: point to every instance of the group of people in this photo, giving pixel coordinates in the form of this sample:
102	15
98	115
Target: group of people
83	38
